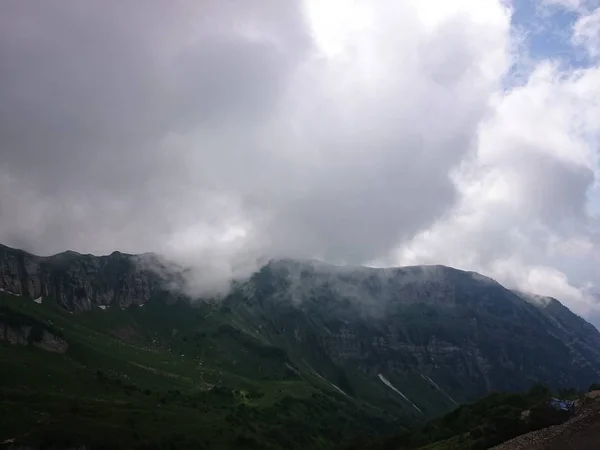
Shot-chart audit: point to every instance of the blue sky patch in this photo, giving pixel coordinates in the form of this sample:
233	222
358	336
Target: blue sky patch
548	31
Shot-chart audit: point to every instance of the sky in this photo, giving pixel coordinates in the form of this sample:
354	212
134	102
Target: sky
220	133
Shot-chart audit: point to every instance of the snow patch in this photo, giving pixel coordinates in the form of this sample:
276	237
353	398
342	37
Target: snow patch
38	300
385	381
434	384
293	369
327	381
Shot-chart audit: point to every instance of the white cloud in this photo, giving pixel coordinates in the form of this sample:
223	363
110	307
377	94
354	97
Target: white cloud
522	216
343	139
586	33
352	131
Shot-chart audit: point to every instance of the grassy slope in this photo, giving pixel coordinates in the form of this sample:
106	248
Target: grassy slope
178	376
302	336
155	373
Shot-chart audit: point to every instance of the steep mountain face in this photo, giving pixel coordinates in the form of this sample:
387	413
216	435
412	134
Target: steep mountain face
79	282
459	332
394	345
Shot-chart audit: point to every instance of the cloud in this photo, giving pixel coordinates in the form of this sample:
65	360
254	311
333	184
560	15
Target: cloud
355	132
523	215
586	33
135	132
88	111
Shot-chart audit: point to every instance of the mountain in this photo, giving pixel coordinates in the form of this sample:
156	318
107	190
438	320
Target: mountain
319	351
79	282
421	327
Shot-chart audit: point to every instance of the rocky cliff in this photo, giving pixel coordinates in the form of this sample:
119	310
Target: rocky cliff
431	335
26	335
460	332
24	330
79	282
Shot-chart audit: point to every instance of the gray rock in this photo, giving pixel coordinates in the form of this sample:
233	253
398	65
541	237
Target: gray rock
79	282
465	332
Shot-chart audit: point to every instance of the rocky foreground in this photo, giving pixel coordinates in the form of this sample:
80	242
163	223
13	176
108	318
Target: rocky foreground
582	432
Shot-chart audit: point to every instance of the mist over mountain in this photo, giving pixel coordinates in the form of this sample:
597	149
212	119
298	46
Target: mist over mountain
369	349
404	316
358	133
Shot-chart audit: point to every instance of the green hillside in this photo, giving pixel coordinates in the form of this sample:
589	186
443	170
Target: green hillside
108	351
159	375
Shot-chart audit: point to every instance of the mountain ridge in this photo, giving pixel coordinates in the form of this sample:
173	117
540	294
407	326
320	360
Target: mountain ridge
80	281
450	289
162	266
396	344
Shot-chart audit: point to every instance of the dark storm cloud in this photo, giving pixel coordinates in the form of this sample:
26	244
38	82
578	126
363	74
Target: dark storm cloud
89	90
128	125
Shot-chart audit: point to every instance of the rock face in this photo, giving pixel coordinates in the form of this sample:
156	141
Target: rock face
51	343
79	282
463	333
14	335
436	335
27	334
